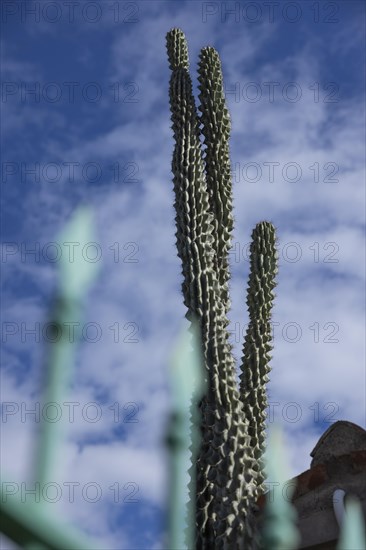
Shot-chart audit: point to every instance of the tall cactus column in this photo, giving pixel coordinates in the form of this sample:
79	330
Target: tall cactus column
257	345
226	469
215	121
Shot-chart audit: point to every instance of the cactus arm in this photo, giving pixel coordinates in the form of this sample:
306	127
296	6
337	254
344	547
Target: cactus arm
193	220
257	345
177	49
215	120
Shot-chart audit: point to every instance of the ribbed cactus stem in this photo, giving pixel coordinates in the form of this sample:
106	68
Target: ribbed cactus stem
224	465
194	233
215	120
257	345
177	49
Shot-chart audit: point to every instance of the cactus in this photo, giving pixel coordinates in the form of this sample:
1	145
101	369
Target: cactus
229	475
257	345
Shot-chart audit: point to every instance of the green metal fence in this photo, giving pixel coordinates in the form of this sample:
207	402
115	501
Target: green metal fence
32	525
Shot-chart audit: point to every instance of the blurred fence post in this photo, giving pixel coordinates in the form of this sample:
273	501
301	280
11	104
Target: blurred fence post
75	276
352	534
188	386
279	531
31	525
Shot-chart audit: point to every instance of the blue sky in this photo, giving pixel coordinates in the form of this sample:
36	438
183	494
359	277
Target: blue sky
294	81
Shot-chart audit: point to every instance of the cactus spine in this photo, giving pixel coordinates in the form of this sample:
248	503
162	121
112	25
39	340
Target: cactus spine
228	477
